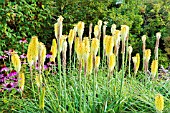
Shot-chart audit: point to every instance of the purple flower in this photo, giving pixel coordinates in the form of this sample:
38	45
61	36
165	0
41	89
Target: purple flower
45	67
3	57
49	55
4	68
2	80
23	40
15	79
8	52
23	55
9	86
12	73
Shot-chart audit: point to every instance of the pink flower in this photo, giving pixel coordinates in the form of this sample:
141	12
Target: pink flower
4	68
3	57
23	40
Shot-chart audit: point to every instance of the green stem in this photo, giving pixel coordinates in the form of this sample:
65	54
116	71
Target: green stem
94	93
80	66
65	92
126	58
129	65
122	79
60	79
32	81
85	94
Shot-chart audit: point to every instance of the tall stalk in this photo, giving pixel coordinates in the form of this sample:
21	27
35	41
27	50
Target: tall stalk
80	99
94	84
85	72
32	81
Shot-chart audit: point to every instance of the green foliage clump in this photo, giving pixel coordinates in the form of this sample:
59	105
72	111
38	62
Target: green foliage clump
27	18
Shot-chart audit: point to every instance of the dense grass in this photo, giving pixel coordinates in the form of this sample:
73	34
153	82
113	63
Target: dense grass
137	94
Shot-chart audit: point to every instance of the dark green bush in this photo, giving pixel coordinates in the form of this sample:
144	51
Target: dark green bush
25	18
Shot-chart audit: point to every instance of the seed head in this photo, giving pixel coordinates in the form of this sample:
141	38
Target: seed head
113	29
80	28
143	38
116	37
100	24
42	53
124	31
158	35
21	81
130	49
97	62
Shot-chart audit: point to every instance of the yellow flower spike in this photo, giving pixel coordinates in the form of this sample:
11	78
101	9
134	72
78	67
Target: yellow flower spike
147	54
113	29
21	81
29	55
38	80
76	43
64	37
159	102
112	62
143	38
86	41
87	48
80	29
53	50
96	31
138	61
34	48
154	68
56	28
80	50
16	61
41	105
71	37
109	46
124	31
97	62
90	64
105	41
95	46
